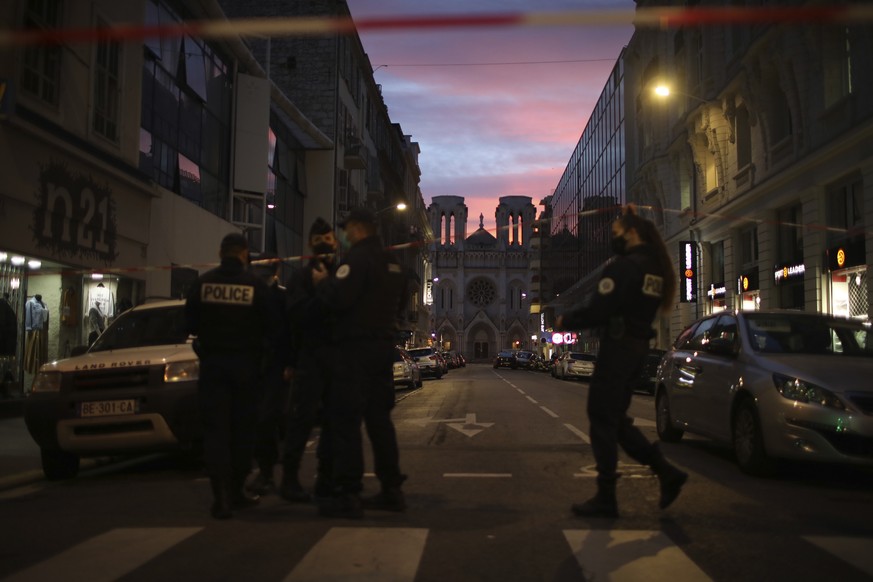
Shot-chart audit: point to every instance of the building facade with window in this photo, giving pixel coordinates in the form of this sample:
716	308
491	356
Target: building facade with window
759	161
478	286
123	165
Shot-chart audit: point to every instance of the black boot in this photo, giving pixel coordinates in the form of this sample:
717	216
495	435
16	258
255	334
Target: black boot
239	498
603	504
671	479
292	491
390	498
221	499
347	505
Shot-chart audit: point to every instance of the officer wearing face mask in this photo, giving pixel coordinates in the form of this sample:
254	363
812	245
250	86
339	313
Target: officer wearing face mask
635	285
312	360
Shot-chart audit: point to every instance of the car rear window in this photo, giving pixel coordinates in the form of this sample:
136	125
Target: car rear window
417	353
584	357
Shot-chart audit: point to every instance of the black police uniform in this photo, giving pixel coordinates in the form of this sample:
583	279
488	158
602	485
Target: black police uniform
229	311
273	409
624	306
313	360
366	293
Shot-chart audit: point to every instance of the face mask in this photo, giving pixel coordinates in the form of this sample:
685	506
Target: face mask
619	245
343	240
324	249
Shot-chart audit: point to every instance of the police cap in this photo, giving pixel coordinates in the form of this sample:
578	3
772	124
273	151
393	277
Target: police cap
233	243
359	215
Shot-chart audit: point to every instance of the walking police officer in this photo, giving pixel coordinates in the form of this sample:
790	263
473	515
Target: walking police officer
229	311
367	293
634	286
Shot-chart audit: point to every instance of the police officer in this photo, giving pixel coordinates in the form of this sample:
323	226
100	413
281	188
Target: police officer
273	408
367	294
313	362
229	311
634	286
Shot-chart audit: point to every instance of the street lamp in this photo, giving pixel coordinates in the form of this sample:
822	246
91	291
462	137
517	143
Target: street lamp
663	91
399	206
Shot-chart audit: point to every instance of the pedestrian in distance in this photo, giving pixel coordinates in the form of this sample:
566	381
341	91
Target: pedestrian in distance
367	293
230	311
634	286
313	359
273	408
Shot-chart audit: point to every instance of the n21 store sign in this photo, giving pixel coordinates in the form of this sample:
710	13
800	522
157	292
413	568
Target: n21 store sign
74	216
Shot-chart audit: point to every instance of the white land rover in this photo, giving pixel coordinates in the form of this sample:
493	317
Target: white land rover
133	391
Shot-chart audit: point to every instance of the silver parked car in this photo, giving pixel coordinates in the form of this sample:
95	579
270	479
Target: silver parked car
406	372
772	384
575	365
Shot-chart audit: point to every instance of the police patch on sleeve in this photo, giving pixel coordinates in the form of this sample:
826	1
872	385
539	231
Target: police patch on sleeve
606	286
343	271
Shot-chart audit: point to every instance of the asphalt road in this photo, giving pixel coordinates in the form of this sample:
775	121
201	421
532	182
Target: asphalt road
494	458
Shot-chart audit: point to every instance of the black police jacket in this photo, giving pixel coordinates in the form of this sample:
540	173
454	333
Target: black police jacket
367	292
627	297
229	309
310	321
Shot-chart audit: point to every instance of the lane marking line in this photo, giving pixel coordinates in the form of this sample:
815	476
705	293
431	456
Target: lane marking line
532	400
108	556
375	554
477	475
627	555
578	433
549	412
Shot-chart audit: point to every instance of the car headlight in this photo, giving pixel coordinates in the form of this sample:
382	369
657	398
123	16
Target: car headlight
801	391
182	371
47	382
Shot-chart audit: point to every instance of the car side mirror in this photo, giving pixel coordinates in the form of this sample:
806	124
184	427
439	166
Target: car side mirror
722	347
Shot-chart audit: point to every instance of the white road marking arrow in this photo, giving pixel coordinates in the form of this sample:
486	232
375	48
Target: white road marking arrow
466	426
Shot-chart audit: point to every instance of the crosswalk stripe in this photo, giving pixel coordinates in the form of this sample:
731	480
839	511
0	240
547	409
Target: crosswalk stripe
856	551
108	556
363	553
619	555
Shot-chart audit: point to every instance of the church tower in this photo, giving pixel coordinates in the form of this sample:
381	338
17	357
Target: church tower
515	220
448	221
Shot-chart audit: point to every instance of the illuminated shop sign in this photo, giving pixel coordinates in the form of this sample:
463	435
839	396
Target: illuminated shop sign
748	282
788	272
716	291
851	253
563	338
688	268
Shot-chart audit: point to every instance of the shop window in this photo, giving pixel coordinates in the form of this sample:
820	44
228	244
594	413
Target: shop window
790	233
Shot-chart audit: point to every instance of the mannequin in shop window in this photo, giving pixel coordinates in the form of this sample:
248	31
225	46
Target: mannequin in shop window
97	320
36	316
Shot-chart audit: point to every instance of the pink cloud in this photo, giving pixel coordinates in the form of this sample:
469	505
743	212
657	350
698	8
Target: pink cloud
487	131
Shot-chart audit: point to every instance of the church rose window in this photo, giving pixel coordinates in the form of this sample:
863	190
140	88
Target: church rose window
481	292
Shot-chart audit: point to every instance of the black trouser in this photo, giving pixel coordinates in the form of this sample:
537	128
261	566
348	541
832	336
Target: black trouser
309	389
618	365
272	419
228	396
363	390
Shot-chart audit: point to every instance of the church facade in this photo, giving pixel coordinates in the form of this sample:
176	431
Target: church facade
480	286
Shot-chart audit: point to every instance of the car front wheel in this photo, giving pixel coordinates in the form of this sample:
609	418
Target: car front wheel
58	465
749	442
666	431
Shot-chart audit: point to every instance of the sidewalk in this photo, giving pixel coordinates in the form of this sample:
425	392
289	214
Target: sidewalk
19	455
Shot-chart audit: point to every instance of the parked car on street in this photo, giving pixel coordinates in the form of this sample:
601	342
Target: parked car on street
772	385
430	363
451	359
524	359
406	372
133	391
505	359
575	365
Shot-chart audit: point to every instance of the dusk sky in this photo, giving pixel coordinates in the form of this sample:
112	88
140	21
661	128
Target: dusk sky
491	130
